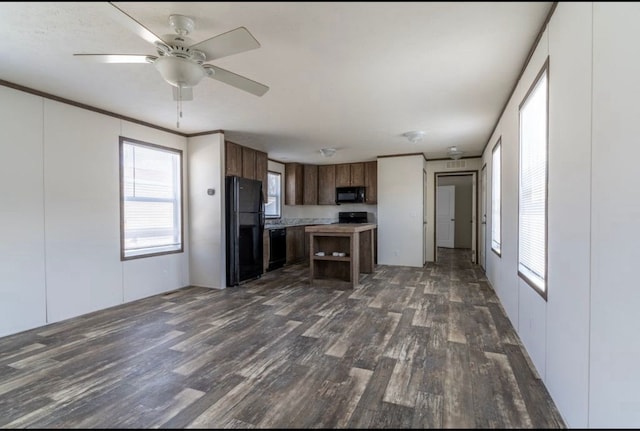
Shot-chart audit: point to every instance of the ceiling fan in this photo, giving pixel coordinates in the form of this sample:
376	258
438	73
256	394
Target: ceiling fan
180	62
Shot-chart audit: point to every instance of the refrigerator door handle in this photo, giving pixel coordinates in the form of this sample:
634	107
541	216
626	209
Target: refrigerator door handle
262	211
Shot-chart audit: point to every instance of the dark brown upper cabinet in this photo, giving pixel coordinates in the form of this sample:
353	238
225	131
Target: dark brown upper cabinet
294	184
246	163
249	163
357	174
233	159
310	185
343	175
350	174
327	185
371	182
261	171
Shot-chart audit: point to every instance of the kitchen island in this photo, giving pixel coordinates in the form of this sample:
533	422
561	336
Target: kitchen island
341	251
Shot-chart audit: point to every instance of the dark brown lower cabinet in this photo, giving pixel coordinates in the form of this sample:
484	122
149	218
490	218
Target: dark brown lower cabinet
265	250
295	244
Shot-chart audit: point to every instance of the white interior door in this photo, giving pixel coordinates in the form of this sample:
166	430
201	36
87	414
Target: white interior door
445	216
483	216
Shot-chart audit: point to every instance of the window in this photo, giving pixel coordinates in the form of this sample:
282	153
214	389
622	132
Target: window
274	197
496	198
532	191
151	199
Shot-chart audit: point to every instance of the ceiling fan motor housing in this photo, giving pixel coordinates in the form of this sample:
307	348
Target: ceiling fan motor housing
183	25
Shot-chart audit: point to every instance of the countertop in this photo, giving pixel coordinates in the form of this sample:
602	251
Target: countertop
282	225
341	228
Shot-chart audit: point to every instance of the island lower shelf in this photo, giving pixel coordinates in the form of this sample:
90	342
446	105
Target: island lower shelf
333	258
354	240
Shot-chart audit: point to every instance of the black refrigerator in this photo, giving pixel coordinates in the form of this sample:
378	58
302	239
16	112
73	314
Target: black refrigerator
244	215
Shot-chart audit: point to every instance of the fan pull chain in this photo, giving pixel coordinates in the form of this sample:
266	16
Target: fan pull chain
179	107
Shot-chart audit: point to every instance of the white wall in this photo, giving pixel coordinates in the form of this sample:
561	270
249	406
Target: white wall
22	264
60	254
583	338
207	238
567	335
400	210
82	215
614	399
433	167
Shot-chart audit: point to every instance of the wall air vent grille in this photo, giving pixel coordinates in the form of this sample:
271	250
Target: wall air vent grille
456	164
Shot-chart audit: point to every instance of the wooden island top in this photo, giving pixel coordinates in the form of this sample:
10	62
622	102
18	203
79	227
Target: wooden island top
340	227
355	242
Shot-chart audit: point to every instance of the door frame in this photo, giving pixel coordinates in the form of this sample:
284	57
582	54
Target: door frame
482	245
474	207
424	216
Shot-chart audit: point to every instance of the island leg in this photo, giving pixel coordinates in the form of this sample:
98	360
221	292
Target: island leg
354	251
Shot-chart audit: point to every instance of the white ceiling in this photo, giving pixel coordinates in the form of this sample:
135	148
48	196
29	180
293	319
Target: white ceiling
349	75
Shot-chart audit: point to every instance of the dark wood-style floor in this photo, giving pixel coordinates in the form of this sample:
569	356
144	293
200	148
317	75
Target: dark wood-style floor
409	348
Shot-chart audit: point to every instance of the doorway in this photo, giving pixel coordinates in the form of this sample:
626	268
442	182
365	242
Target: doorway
446	216
456	213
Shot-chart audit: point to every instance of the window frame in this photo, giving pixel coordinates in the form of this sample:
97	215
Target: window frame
122	141
497	145
274	217
543	292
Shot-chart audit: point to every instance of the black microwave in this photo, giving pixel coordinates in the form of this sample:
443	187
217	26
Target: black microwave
349	195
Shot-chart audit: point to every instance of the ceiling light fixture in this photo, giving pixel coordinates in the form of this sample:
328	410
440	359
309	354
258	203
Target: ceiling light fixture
414	136
182	73
455	153
328	152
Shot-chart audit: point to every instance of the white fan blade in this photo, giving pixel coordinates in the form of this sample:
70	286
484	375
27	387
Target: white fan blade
115	58
231	42
238	81
186	93
129	22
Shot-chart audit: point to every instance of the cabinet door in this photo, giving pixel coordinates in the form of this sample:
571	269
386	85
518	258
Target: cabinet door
310	185
261	171
327	185
371	182
233	159
294	247
248	163
343	175
293	184
357	174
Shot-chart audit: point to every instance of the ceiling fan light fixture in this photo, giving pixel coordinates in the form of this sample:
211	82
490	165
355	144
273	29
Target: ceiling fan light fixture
328	152
179	72
454	153
414	136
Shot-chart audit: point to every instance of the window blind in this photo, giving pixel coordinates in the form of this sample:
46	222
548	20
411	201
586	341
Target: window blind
272	206
532	213
151	189
496	198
